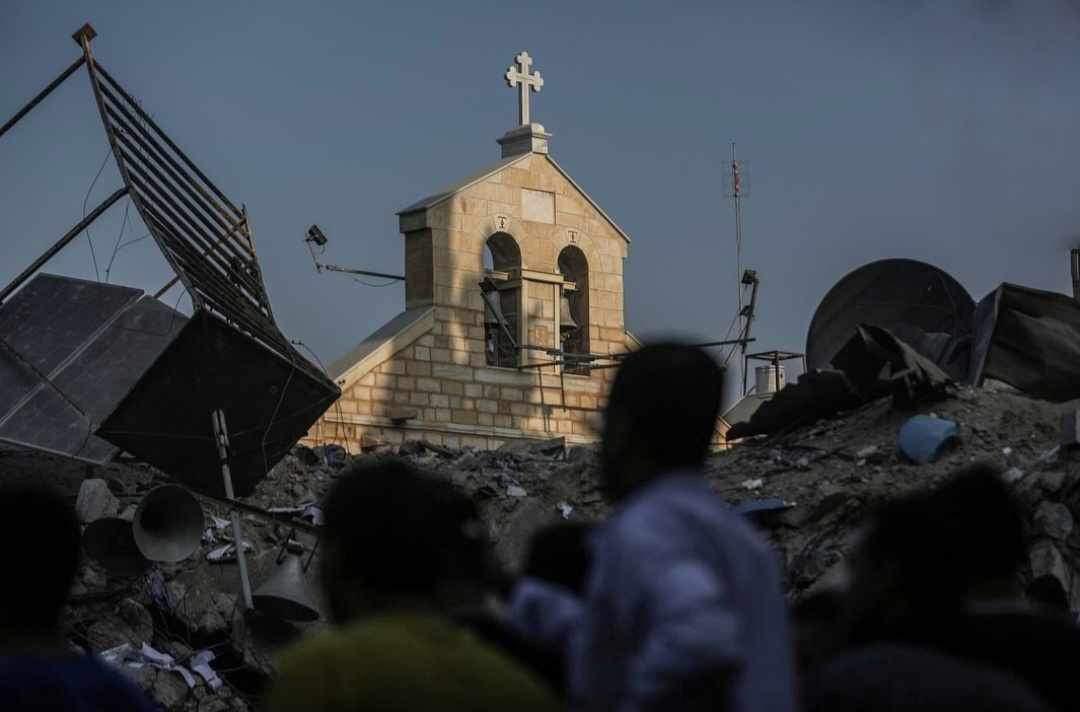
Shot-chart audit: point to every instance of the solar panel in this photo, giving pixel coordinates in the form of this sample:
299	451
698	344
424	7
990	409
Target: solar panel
70	351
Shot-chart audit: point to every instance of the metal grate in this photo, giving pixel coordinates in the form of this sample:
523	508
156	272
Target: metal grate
206	239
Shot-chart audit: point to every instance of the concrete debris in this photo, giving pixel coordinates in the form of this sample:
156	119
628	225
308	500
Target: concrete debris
1013	475
1046	324
1070	428
1046	560
540	448
864	454
95	501
1054	520
873	363
837	468
878	363
227	553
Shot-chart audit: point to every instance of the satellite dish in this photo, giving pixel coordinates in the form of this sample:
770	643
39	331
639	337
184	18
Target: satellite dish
915	301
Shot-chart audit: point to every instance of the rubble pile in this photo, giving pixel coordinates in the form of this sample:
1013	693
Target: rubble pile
815	482
171	624
835	471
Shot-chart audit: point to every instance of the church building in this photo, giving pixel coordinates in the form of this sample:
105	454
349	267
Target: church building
513	308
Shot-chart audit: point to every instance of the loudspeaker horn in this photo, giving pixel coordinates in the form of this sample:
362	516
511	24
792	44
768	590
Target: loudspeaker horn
285	593
168	524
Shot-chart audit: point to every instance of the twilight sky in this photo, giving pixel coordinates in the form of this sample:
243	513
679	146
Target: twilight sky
940	131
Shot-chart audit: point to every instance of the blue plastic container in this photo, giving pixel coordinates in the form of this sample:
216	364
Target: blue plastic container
922	439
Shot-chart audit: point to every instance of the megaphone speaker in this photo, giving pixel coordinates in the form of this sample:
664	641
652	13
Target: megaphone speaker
168	524
285	593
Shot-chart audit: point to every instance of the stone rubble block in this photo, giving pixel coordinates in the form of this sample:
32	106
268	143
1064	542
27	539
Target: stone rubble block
95	501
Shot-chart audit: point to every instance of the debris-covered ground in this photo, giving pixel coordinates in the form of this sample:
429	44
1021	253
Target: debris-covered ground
832	472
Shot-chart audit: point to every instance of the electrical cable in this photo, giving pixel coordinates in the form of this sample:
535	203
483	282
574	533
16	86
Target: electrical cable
126	243
86	198
337	401
273	417
119	236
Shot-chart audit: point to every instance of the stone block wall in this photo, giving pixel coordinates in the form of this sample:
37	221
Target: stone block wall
440	387
440	390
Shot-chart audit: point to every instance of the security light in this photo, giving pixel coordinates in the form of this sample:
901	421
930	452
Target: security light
315	235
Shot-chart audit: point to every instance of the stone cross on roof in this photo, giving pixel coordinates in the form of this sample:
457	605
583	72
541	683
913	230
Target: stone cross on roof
526	81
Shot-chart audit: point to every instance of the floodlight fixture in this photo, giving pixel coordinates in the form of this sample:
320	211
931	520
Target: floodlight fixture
316	236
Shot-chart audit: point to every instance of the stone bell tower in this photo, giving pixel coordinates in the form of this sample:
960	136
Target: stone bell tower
514	289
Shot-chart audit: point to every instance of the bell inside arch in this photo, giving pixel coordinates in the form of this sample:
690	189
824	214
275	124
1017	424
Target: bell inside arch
493	310
566	317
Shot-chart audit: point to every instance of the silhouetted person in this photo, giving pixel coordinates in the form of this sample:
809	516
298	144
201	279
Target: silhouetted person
891	677
683	606
1047	594
37	668
936	571
545	605
401	552
559	554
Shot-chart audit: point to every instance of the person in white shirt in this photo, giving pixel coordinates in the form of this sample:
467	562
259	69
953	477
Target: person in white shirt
683	606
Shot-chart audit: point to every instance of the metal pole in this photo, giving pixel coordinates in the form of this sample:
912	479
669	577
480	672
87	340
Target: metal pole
221	435
61	243
44	93
1074	258
364	272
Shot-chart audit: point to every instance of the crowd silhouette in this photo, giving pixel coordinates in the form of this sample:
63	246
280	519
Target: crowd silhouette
675	602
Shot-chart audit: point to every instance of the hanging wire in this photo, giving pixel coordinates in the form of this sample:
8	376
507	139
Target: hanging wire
119	236
337	402
273	418
86	198
126	243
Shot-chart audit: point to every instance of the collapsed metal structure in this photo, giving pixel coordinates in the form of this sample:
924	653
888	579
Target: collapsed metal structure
62	389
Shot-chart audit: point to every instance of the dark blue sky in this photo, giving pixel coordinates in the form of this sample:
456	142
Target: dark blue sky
873	129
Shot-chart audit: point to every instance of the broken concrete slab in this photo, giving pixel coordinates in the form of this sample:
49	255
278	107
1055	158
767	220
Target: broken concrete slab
816	394
1054	520
1029	339
95	501
877	362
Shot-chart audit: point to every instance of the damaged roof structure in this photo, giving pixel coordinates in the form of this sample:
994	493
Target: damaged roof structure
90	369
908	328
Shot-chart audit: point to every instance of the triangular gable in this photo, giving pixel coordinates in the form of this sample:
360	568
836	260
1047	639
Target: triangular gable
384	342
588	197
442	196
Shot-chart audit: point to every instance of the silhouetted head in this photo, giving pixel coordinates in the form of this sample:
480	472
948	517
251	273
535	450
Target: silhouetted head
1046	593
661	414
40	535
394	536
925	555
560	554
